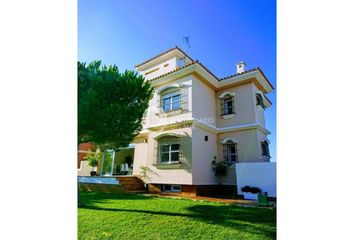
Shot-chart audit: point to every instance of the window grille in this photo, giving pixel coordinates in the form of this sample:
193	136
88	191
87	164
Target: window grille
265	149
173	102
230	152
169	150
227	105
260	100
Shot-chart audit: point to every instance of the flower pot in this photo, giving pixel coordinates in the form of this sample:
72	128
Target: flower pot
93	173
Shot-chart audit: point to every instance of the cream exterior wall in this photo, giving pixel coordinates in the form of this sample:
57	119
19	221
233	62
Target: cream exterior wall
172	65
152	117
247	144
244	106
145	156
202	155
203	102
140	155
258	109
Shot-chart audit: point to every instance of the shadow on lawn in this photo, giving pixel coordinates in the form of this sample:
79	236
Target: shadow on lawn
256	220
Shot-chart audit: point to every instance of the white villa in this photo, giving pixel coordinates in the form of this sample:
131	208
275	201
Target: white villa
193	117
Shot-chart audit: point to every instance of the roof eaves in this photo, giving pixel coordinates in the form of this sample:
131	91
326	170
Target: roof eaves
212	74
256	68
238	74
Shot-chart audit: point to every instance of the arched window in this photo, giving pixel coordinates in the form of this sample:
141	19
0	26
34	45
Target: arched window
227	104
170	99
260	101
230	151
265	149
168	150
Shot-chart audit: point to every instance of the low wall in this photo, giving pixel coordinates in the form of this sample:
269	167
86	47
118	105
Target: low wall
261	175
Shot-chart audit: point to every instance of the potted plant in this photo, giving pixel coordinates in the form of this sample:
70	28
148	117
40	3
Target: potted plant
250	192
220	168
92	159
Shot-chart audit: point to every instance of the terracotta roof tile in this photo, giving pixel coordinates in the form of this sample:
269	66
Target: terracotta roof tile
159	55
207	70
256	68
238	74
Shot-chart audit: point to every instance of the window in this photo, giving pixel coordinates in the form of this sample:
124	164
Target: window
169	152
260	101
230	152
265	149
171	101
227	105
171	188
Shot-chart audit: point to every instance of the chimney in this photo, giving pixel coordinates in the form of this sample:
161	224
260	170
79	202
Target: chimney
240	67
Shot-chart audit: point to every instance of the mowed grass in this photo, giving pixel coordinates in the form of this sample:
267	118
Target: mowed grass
129	216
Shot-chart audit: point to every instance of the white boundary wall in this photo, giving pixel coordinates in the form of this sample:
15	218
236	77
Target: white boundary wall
261	175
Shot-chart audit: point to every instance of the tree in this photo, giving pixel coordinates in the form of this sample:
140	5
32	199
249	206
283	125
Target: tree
110	104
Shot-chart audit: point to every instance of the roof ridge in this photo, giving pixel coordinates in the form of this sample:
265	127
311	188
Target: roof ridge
163	53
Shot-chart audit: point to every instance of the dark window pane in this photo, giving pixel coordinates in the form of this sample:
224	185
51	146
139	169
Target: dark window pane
165	148
167	187
174	156
233	158
164	157
232	149
174	147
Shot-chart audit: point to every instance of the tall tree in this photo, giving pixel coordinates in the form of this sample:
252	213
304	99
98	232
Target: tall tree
110	104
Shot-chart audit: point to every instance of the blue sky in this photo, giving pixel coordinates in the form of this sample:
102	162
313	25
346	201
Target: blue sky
221	33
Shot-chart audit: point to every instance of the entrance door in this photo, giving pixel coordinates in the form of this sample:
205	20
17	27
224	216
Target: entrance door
107	163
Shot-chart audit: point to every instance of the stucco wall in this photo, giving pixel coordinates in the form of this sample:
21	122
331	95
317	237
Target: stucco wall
247	145
146	156
265	180
171	65
140	155
244	106
203	102
258	109
202	155
152	117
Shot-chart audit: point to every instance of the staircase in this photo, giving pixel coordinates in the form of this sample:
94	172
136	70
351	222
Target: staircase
131	184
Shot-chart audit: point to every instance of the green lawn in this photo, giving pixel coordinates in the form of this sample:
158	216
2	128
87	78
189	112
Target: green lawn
129	216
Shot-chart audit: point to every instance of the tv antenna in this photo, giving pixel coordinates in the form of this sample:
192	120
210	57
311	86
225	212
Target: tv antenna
186	41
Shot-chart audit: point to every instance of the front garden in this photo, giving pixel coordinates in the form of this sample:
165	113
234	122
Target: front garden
105	216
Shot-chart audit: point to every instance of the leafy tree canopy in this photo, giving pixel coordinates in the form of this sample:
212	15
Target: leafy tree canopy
110	104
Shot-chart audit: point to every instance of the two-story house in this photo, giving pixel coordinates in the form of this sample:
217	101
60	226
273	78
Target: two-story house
193	117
